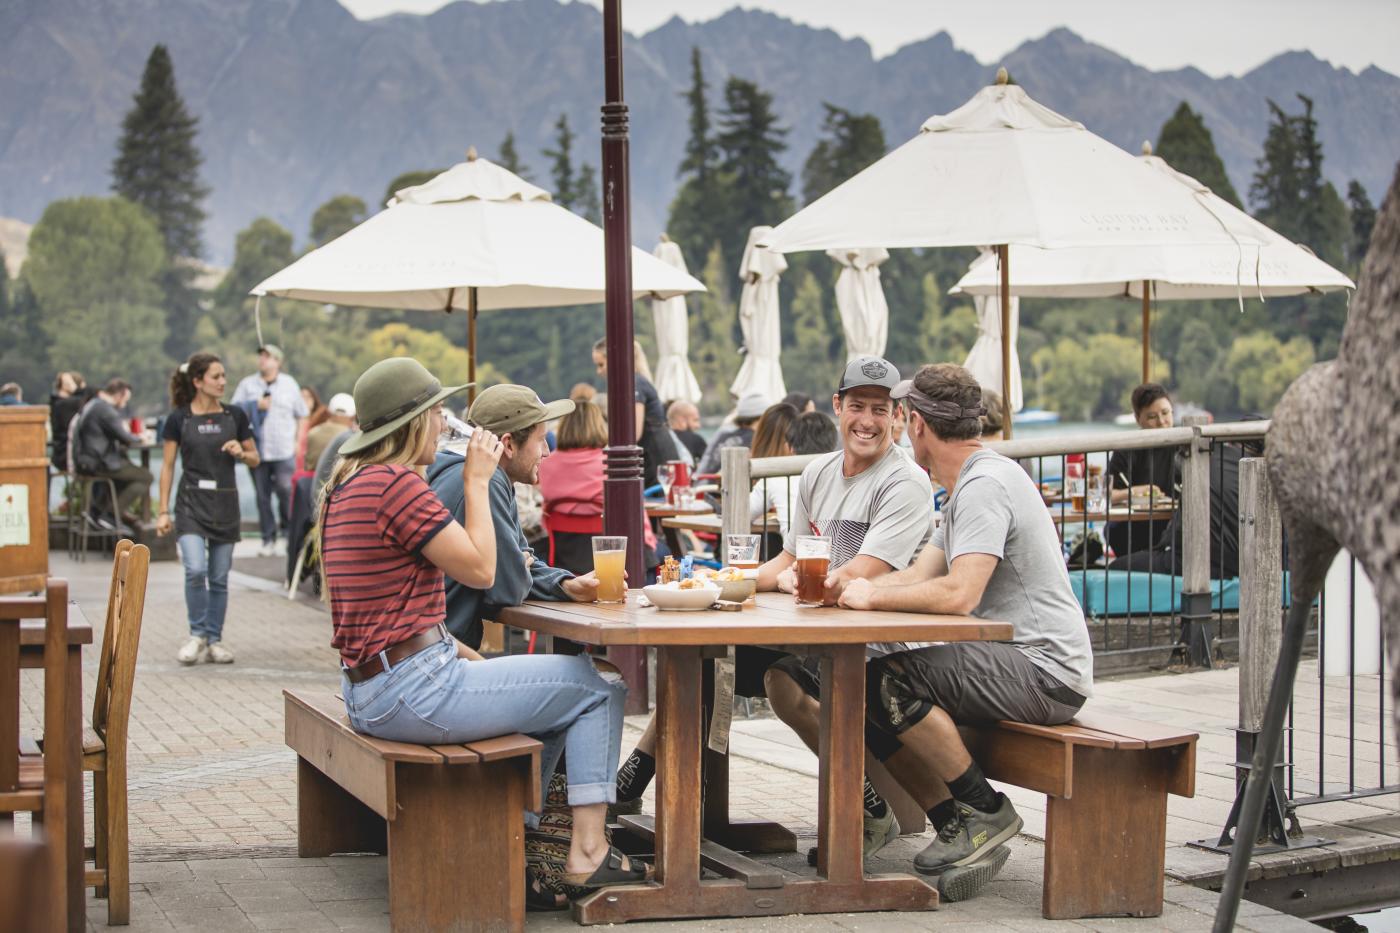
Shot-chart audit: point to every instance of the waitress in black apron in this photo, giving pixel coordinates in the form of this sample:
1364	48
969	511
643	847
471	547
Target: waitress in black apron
210	438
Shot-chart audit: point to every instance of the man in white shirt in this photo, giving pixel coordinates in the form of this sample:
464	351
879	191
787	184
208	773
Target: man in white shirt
273	401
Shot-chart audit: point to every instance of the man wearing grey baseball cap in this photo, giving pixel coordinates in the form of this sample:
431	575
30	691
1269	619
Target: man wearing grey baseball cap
516	415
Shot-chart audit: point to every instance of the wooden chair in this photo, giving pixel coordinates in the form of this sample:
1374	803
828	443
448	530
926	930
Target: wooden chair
24	869
30	781
104	741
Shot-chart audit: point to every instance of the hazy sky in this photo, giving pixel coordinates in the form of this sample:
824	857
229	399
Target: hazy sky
1218	36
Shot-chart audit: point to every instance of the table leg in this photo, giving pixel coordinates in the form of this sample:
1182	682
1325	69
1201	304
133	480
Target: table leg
841	763
77	908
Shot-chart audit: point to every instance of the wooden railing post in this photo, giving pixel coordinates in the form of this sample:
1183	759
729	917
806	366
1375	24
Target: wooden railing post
734	497
1197	629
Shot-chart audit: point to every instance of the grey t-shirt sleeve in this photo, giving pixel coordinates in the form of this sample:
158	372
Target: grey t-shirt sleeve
983	519
900	524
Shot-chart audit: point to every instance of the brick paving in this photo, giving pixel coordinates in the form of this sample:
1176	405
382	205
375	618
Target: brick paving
213	793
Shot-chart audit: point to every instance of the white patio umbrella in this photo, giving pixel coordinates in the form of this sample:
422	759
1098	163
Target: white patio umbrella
1002	169
761	371
674	378
984	359
860	299
1265	264
474	238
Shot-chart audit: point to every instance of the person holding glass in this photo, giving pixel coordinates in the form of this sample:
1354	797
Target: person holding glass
386	543
209	437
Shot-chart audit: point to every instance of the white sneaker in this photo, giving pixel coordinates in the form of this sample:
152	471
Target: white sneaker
219	654
193	651
268	549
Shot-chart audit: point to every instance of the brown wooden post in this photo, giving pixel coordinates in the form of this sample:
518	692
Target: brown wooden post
1261	590
1004	260
622	486
1146	330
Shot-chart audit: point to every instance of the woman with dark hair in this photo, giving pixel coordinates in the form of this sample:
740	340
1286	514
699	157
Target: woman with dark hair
209	437
385	541
801	401
316	414
770	434
1151	472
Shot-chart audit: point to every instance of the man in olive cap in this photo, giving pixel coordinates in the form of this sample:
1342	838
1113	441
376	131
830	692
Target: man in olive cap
515	414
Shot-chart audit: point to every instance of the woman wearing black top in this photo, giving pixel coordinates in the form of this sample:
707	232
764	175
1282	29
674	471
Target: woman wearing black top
1145	473
209	438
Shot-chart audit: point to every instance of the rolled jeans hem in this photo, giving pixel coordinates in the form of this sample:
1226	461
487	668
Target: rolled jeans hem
581	795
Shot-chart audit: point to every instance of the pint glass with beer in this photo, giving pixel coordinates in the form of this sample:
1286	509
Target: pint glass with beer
813	562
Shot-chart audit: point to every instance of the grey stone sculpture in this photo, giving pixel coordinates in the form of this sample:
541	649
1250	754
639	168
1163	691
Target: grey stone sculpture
1334	462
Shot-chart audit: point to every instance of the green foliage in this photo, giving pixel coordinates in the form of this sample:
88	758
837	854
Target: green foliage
1092	377
713	317
24	346
1289	193
441	357
94	273
157	164
1187	146
849	143
1263	367
261	249
335	217
750	142
701	153
944	336
697	220
561	164
813	361
509	159
1363	220
409	180
586	203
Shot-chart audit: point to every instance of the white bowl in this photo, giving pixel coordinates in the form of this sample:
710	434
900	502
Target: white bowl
670	596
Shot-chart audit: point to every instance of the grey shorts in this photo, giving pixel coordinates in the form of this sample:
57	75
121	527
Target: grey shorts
973	682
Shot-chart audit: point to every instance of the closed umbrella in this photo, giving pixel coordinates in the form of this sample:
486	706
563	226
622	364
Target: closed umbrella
860	300
674	378
761	372
1263	264
1002	169
984	359
475	237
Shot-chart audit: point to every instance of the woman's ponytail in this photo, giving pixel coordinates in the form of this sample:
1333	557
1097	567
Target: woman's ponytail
182	390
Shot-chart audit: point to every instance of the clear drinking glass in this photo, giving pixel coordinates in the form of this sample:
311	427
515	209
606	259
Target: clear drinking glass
666	476
813	563
455	431
742	551
609	562
1095	494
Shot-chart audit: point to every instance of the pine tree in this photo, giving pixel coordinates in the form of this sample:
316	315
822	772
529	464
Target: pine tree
750	142
850	142
712	348
696	215
335	217
157	164
701	155
1363	219
4	286
411	179
1289	192
813	360
1187	146
561	170
509	158
586	203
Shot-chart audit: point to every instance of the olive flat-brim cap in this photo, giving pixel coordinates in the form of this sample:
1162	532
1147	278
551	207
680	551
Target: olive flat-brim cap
502	409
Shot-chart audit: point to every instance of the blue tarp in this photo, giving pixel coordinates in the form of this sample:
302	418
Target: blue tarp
1138	593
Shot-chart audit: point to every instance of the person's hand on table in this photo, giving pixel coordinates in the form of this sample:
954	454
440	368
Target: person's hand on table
787	581
832	587
584	588
857	594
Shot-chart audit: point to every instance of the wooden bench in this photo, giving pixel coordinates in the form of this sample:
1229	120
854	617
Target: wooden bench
450	817
1106	780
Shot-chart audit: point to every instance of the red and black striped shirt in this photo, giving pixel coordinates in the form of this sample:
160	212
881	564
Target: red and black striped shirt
383	590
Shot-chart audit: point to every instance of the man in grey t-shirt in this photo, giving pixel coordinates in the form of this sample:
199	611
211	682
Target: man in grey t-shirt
997	556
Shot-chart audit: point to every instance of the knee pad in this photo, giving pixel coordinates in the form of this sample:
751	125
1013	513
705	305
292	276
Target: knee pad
890	706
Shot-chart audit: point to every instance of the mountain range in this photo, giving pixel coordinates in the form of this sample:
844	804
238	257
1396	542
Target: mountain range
299	101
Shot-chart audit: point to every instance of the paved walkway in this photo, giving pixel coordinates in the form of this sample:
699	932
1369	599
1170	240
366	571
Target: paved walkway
213	796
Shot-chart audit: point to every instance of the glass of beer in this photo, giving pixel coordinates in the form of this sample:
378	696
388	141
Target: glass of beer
609	562
813	561
741	551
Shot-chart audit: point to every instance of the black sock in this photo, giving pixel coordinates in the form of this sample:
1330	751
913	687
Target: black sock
635	775
874	803
943	813
971	788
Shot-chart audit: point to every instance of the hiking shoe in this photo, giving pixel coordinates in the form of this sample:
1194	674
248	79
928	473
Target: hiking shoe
878	832
969	837
219	654
193	651
960	884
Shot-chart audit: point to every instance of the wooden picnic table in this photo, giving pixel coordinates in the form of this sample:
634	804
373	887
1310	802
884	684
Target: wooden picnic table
692	829
710	523
668	510
31	655
1114	514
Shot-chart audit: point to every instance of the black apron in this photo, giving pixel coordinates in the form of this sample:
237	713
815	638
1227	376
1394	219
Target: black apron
207	504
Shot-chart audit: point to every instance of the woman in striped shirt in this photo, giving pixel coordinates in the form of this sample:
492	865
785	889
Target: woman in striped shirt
385	542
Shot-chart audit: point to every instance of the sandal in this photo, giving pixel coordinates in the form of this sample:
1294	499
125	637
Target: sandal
538	897
611	871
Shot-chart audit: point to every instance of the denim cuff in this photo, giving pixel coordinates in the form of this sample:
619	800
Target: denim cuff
583	794
532	820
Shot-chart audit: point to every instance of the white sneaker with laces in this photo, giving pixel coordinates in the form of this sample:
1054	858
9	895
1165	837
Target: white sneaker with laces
219	654
193	651
268	549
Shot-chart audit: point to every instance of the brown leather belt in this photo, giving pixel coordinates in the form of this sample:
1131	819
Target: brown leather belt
396	653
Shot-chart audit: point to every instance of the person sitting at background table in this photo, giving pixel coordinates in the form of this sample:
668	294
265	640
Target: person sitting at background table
99	449
746	414
811	433
69	396
995	556
1143	472
684	419
991	421
385	542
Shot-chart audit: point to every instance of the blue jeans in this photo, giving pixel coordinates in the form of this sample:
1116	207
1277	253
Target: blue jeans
206	583
273	477
434	697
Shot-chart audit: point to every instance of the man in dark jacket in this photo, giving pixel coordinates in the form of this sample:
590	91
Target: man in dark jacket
517	415
99	449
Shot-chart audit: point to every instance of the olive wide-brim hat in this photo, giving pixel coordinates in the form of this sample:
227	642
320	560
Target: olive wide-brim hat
390	394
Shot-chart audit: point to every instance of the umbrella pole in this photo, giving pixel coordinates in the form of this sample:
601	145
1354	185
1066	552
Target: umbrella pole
1146	330
1004	260
471	344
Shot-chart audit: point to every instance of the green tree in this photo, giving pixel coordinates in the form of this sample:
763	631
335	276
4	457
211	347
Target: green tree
712	349
509	158
701	154
561	167
849	143
1289	193
943	336
1198	362
1090	378
4	285
441	357
410	180
335	217
94	271
812	362
24	345
1263	367
260	249
696	218
1187	146
1363	219
586	202
750	142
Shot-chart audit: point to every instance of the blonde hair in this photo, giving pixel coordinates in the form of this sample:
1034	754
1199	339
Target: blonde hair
399	448
584	427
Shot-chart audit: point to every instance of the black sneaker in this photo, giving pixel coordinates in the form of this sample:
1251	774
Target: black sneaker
624	808
960	884
971	836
